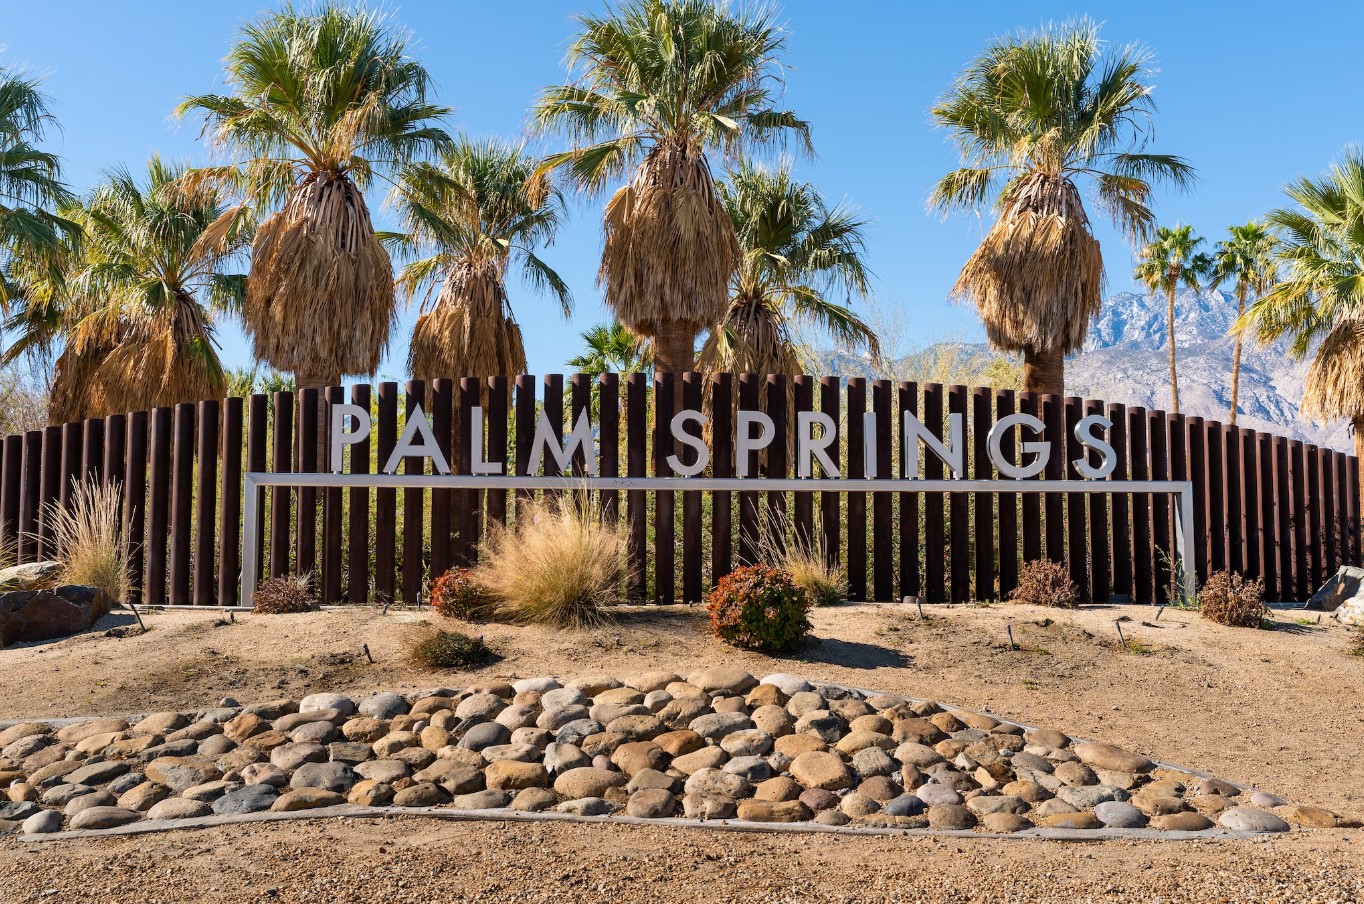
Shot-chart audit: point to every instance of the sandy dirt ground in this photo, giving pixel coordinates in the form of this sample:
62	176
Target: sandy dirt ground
1279	710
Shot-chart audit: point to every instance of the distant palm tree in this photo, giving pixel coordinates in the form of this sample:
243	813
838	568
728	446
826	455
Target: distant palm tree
1248	257
1168	263
612	349
1319	300
1032	116
322	102
32	231
796	250
659	85
480	207
132	311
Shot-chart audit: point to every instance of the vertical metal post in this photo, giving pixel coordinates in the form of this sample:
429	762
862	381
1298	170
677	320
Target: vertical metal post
1184	531
251	528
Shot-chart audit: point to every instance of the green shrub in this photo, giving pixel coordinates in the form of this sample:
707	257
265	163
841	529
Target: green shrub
1045	583
448	650
1229	599
284	596
456	594
759	608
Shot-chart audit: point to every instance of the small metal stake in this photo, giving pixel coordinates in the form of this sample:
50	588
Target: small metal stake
1012	646
1160	610
137	615
1122	640
365	647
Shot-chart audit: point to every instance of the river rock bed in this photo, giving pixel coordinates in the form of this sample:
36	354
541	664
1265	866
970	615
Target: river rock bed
719	745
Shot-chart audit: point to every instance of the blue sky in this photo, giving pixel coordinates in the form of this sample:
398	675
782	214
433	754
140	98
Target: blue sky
1252	94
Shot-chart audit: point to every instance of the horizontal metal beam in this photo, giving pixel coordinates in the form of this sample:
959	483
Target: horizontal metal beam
254	481
713	484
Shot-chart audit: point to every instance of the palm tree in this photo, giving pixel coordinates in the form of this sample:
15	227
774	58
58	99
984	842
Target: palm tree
795	251
1033	116
322	102
473	213
611	348
1319	301
1167	263
31	187
1248	257
132	307
659	85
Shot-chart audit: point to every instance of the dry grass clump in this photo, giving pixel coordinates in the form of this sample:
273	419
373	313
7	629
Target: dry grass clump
285	596
1045	583
1355	645
1229	599
89	538
805	559
559	565
436	649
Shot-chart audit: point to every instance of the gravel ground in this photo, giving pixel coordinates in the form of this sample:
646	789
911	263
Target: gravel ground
1279	710
399	860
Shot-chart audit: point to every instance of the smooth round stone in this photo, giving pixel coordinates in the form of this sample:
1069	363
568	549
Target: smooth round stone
563	757
1086	797
577	731
872	761
858	805
748	742
718	783
1259	799
533	800
247	799
44	822
1247	819
539	685
63	794
715	726
818	799
555	718
1114	759
294	755
1116	814
832	817
480	707
312	732
880	788
936	795
651	803
336	777
586	806
179	808
518	717
481	800
16	810
656	700
790	685
753	768
97	798
950	817
1005	823
485	734
557	698
126	782
820	769
383	706
215	745
722	678
100	773
315	702
905	805
602	761
383	771
104	818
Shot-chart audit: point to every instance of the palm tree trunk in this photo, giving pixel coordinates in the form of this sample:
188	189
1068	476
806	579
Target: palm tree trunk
1174	374
674	349
1357	425
318	381
1044	371
1236	355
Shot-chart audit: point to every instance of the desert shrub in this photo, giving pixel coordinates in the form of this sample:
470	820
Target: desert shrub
759	607
1230	599
447	650
1045	583
284	596
558	565
89	538
805	559
456	594
1355	645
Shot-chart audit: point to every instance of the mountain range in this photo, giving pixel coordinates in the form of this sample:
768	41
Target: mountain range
1125	360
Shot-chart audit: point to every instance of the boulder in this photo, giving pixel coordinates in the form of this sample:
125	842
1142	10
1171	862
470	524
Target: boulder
30	615
1345	585
31	576
1351	612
